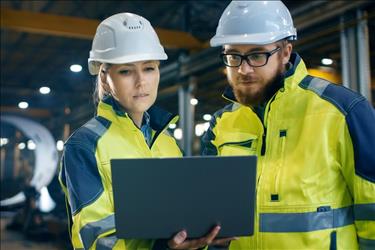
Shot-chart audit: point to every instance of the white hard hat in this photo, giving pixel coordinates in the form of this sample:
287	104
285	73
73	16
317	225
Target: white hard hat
254	22
124	38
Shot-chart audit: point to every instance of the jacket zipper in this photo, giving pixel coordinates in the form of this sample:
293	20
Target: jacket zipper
157	133
280	163
258	242
264	123
263	150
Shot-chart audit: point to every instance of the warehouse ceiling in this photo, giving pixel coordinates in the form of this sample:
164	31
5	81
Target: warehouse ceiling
40	40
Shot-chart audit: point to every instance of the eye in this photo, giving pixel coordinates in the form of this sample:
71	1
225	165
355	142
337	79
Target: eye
125	72
233	58
149	68
257	56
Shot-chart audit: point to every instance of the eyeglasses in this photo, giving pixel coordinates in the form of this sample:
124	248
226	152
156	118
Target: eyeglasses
256	59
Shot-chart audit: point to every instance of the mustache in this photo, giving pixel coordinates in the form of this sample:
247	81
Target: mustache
247	78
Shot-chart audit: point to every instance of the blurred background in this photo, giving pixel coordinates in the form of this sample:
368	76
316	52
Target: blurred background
46	89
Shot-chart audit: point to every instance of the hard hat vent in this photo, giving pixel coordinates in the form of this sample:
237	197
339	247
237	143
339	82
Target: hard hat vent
133	24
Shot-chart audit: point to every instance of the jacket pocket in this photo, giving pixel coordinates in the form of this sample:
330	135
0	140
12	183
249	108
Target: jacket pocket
247	147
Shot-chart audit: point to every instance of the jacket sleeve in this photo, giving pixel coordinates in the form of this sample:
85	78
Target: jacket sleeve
90	203
208	148
357	145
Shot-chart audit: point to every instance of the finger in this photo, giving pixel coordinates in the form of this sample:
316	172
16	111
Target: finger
211	236
192	244
201	242
223	241
177	240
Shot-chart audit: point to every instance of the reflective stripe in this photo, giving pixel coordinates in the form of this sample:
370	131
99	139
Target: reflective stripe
91	231
306	222
235	106
318	85
96	127
366	244
364	211
106	243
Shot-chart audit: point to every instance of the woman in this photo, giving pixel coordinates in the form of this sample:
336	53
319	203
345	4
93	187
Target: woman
125	55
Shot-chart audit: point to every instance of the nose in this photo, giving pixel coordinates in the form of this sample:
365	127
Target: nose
140	79
245	68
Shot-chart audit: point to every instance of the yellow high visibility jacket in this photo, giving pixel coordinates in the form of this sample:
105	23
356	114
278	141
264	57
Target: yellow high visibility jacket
316	164
85	173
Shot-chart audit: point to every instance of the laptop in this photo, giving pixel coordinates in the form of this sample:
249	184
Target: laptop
155	198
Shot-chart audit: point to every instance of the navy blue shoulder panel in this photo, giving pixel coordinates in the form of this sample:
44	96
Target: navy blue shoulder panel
360	118
80	173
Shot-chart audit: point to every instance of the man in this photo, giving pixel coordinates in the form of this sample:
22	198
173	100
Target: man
314	140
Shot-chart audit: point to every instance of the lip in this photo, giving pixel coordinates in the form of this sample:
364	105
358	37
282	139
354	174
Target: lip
247	82
141	95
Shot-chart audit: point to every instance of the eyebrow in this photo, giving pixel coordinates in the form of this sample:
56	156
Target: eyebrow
132	64
256	49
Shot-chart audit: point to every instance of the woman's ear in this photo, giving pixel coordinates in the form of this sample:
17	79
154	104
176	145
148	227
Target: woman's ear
102	75
103	80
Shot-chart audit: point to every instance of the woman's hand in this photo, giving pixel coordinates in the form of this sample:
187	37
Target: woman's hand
179	240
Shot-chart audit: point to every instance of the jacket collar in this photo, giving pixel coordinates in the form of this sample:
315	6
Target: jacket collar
158	117
290	78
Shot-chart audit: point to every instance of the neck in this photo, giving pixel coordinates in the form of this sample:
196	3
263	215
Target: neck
137	118
271	89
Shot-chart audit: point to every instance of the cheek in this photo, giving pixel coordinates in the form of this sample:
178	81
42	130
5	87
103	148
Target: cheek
154	83
231	74
269	72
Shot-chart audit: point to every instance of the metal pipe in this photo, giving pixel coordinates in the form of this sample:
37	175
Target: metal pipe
363	54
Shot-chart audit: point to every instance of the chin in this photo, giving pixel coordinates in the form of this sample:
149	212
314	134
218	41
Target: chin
249	98
143	107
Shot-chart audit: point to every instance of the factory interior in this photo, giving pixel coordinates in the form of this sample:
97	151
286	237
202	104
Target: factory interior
46	87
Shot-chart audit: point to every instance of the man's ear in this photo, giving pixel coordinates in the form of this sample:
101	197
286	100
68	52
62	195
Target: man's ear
287	51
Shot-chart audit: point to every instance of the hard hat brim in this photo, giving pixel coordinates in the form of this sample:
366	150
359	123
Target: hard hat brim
255	39
94	65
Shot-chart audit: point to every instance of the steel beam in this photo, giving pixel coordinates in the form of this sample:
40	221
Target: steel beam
82	28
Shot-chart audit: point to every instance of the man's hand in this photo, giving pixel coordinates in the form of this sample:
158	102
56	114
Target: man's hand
179	240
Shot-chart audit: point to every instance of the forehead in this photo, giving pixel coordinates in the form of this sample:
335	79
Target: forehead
140	63
246	48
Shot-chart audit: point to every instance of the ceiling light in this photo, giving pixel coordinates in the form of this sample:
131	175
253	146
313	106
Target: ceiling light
207	117
3	141
23	105
76	68
177	133
327	61
31	145
200	128
172	126
193	101
44	90
21	146
60	145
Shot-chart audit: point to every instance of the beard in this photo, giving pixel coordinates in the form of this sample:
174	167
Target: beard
261	95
